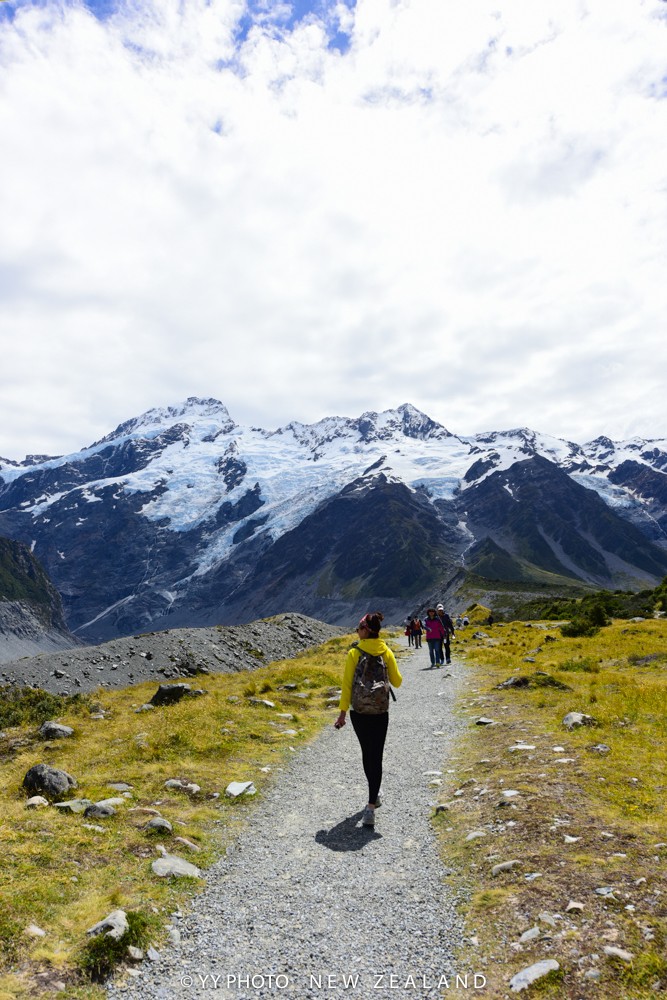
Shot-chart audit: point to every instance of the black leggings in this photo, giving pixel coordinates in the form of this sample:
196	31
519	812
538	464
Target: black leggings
371	732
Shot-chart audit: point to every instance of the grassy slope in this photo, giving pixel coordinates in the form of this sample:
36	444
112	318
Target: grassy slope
64	878
22	576
620	793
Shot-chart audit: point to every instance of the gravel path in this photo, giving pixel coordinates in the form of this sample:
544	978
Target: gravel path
311	893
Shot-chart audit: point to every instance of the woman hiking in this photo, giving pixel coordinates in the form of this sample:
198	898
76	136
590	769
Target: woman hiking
369	670
435	635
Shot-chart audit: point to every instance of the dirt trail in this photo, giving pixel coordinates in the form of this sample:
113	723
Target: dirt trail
310	893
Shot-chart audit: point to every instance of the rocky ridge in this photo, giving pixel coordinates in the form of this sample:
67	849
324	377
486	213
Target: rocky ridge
170	654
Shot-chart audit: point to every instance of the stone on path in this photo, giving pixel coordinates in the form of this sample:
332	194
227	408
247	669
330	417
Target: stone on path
135	954
120	786
91	826
34	931
625	956
594	974
505	866
482	721
476	833
534	972
54	731
188	843
567	839
145	810
50	781
546	918
74	805
183	786
573	905
171	864
144	708
157	823
575	719
99	810
236	788
36	802
114	925
169	694
530	935
174	937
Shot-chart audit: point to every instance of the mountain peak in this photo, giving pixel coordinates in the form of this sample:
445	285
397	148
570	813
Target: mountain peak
158	417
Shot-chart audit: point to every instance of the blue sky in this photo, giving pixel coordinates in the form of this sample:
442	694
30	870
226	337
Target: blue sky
318	209
278	16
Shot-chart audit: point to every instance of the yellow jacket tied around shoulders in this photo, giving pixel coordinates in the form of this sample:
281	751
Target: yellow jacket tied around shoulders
376	647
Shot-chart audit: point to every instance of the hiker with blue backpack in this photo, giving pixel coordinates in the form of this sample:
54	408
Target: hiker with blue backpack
370	669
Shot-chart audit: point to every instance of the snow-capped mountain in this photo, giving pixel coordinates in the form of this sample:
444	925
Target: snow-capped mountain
182	515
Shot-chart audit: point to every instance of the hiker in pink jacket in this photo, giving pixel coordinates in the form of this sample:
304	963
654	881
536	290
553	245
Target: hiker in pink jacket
435	635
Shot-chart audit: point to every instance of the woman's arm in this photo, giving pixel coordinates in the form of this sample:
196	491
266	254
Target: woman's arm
392	669
348	677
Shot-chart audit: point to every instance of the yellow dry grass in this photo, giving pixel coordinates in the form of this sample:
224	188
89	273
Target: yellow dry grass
612	803
64	877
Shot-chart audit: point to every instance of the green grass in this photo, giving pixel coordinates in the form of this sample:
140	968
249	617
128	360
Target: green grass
618	676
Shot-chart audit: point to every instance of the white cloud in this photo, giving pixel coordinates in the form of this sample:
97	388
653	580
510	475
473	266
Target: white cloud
466	211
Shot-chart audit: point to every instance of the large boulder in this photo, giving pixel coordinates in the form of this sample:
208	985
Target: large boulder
169	694
49	781
55	731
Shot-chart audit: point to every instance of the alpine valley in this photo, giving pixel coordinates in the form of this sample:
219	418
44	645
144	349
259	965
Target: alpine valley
182	517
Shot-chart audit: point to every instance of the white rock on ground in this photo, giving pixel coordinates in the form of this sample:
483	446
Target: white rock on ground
171	864
534	972
236	788
298	896
625	956
114	925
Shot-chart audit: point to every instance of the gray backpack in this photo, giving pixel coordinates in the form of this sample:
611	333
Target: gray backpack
370	685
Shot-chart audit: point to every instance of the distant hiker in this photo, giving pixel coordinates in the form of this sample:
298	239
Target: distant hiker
435	634
417	632
408	632
466	621
489	620
369	670
459	623
448	626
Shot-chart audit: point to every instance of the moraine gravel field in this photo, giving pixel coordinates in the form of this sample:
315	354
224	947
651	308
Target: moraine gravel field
307	896
169	654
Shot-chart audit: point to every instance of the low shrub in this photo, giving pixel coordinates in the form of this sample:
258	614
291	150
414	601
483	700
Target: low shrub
102	954
32	706
579	628
580	664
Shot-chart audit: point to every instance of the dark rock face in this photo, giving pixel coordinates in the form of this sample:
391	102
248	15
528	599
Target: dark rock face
547	519
373	538
647	483
48	781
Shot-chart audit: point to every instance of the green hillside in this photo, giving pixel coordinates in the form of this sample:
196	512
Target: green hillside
22	576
